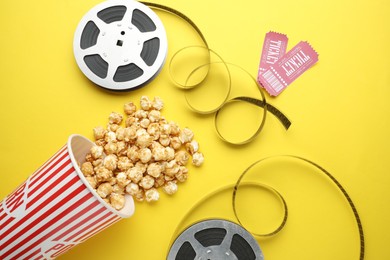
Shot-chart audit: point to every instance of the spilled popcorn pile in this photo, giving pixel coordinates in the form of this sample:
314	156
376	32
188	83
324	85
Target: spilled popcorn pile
147	153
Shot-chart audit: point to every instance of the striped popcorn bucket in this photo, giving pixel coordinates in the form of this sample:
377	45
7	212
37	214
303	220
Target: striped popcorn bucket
55	208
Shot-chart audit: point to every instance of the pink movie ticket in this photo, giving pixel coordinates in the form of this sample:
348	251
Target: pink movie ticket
274	47
288	68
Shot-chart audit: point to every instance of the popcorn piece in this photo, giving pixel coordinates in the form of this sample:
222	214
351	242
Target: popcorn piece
96	151
170	188
130	133
164	140
110	162
197	159
145	103
121	179
157	104
87	169
147	182
141	114
121	148
159	181
124	163
133	153
92	181
165	129
104	190
115	118
110	148
192	147
186	135
144	140
140	195
158	152
182	174
100	142
102	174
99	132
175	143
110	137
112	181
154	116
144	123
171	168
152	195
182	157
145	154
117	201
175	129
130	121
118	189
154	131
154	169
135	174
170	153
112	127
132	189
141	166
129	108
97	162
120	133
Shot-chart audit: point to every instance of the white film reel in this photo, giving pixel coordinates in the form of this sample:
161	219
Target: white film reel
120	44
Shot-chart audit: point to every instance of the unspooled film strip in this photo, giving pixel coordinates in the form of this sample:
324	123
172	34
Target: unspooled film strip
179	240
205	69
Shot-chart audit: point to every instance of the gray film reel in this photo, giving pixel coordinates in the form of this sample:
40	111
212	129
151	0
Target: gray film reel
217	240
120	44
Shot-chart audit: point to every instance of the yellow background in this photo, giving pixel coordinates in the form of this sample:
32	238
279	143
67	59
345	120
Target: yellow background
339	111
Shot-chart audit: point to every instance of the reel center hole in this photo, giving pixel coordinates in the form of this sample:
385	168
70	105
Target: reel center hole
122	32
119	43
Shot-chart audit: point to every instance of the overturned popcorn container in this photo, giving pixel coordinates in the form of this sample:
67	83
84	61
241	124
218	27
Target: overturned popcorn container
55	208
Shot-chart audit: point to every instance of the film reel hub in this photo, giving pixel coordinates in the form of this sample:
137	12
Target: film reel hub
120	44
116	40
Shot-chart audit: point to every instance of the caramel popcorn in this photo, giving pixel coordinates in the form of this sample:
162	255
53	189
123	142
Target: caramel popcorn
99	132
158	104
117	200
170	187
138	154
87	169
197	159
152	195
192	147
104	189
129	108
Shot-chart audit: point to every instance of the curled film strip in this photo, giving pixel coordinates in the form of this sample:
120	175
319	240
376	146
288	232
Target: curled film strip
204	69
120	45
177	243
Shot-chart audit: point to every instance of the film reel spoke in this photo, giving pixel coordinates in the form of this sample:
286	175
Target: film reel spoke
103	27
146	36
227	240
112	69
91	50
127	18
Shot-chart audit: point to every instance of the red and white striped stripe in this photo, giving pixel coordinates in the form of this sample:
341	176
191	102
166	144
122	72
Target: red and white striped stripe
50	213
